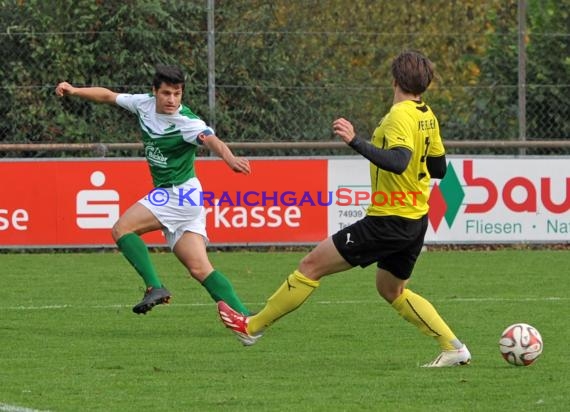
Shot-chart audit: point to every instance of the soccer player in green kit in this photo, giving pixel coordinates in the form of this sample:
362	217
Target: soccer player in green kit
171	134
405	151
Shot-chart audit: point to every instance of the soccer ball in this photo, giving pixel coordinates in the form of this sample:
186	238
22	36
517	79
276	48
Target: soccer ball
520	344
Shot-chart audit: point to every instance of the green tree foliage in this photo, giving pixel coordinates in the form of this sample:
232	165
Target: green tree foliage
496	111
315	60
548	73
494	108
283	69
105	43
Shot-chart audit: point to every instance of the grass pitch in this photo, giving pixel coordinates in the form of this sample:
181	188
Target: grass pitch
69	341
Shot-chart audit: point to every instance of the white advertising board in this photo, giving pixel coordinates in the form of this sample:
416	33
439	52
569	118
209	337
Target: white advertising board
480	200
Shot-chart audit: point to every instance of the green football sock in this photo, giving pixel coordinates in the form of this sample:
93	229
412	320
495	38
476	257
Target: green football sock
136	252
220	288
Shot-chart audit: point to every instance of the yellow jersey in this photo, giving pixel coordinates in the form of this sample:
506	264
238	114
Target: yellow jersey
411	125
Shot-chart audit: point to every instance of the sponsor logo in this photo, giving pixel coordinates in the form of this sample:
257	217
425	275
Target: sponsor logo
155	156
518	195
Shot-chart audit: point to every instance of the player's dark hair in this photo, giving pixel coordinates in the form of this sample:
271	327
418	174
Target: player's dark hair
167	74
412	71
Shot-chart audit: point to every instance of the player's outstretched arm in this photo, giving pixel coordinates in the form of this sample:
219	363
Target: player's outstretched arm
93	94
394	160
237	164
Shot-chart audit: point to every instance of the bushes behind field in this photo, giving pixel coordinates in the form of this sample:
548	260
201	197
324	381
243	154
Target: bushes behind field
282	70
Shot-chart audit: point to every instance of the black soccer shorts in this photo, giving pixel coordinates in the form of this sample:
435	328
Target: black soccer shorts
393	242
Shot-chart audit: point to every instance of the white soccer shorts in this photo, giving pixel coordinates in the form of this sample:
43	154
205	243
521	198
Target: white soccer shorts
179	209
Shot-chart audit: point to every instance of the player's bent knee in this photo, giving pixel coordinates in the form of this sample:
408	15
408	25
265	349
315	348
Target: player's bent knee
197	268
389	294
199	274
308	265
118	231
115	233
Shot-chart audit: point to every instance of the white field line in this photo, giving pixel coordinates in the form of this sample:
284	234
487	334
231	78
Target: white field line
531	299
4	407
322	302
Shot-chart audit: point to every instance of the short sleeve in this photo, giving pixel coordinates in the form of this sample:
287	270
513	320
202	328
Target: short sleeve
398	131
193	128
131	102
436	148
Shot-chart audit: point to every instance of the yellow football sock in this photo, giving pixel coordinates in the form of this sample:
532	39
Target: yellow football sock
419	312
290	295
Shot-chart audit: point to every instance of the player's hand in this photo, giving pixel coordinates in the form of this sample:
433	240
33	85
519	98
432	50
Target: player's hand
344	129
240	165
64	89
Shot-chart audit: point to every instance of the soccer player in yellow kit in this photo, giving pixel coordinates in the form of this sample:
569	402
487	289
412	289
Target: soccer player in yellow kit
405	152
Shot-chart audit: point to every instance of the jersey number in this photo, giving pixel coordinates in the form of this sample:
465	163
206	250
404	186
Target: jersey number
423	158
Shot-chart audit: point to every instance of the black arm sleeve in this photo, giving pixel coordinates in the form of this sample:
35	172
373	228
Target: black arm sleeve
437	166
392	160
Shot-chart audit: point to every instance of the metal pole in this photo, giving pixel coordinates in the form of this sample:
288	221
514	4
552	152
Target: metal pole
211	64
522	71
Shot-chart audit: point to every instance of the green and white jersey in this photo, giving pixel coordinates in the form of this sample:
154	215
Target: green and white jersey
170	140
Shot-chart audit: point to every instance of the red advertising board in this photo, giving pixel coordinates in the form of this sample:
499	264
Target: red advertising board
55	203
